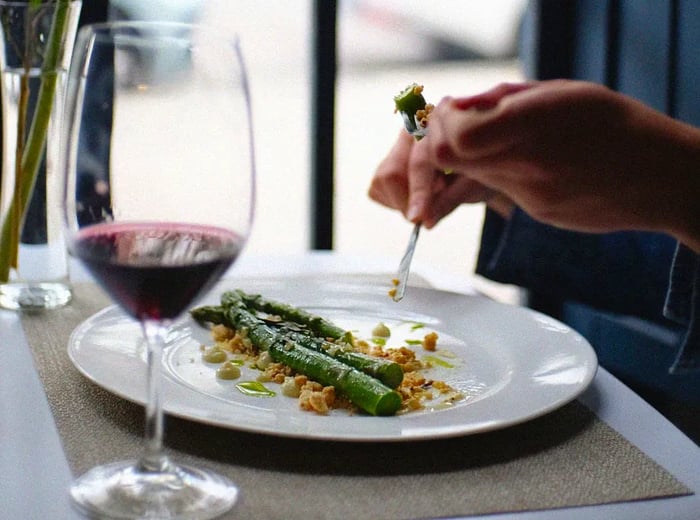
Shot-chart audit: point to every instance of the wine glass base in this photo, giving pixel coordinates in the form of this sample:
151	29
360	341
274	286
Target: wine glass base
34	296
124	490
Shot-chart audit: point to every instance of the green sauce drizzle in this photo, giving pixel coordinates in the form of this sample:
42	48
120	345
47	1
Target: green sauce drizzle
255	389
437	361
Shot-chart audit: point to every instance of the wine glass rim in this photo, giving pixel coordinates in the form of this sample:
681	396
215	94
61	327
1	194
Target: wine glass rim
108	26
24	3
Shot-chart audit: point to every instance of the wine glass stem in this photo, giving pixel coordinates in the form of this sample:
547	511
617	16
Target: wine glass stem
153	459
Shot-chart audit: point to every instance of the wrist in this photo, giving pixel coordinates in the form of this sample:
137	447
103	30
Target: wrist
685	220
688	230
501	205
673	201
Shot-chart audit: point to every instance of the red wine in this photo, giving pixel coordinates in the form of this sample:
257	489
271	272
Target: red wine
154	271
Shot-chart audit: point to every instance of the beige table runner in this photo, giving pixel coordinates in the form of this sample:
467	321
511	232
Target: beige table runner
566	458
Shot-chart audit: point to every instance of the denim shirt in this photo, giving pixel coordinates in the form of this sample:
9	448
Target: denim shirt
683	305
634	295
624	272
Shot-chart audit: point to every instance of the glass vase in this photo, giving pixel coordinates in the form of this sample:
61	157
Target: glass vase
36	42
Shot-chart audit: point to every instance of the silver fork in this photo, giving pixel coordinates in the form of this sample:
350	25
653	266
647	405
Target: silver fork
417	131
405	265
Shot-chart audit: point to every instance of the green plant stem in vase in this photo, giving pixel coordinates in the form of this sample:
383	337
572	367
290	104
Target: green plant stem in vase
37	38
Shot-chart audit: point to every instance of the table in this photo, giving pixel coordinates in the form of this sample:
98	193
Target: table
34	473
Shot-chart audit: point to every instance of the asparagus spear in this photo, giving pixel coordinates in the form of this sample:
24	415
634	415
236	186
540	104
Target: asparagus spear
388	372
363	390
318	325
213	314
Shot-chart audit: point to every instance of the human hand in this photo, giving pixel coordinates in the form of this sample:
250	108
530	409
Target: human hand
575	155
406	178
572	154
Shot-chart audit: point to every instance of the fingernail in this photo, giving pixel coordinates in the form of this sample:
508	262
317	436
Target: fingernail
413	211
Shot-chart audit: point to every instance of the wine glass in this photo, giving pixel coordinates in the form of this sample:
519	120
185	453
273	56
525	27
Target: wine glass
158	158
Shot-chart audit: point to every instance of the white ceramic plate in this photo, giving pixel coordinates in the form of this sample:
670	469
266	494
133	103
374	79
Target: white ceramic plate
511	364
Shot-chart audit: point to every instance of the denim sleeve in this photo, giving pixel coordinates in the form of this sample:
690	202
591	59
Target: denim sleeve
623	272
683	306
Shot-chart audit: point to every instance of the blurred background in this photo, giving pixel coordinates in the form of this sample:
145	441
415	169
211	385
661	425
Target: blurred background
452	47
